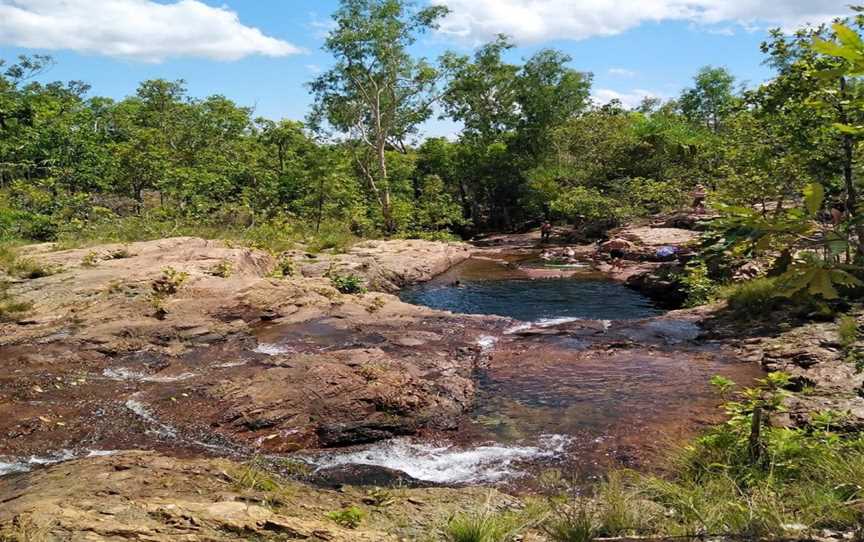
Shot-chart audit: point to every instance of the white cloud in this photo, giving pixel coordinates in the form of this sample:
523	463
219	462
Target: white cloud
630	100
135	29
622	72
540	20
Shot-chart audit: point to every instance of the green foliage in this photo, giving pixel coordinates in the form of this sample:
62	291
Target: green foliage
571	523
698	284
848	329
223	269
376	92
284	267
165	287
254	476
812	276
484	526
90	259
581	204
12	264
711	99
722	385
349	517
10	308
849	332
797	482
347	284
815	272
753	298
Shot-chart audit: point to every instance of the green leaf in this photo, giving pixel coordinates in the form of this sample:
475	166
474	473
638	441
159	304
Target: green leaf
814	195
843	278
836	244
830	48
821	284
846	129
848	37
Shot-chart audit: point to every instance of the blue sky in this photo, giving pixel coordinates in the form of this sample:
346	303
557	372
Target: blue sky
261	52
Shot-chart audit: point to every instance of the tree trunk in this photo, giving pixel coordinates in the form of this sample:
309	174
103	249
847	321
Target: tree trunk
849	179
320	204
754	445
384	197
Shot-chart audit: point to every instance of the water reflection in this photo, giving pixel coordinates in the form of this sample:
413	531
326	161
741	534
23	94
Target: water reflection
532	300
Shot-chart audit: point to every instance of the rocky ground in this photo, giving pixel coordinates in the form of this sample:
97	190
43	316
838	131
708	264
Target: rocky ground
153	497
94	357
254	354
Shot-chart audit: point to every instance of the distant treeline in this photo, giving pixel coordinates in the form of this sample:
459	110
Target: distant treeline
533	147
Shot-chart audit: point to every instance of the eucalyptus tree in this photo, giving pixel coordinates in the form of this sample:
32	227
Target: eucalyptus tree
711	99
377	93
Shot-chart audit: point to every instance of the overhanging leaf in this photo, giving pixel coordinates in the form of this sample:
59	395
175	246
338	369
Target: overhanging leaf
820	284
848	37
814	195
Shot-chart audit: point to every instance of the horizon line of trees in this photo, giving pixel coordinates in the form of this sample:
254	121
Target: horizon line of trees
533	145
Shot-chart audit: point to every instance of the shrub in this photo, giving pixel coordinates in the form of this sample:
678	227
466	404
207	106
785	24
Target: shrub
484	526
573	523
284	267
349	517
165	287
223	269
90	259
752	298
698	284
254	477
848	330
332	240
10	309
26	268
347	284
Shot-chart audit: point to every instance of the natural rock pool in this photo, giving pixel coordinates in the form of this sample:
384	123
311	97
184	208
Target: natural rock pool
590	375
532	300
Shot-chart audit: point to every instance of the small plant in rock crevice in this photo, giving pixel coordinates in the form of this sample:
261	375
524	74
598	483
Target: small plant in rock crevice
223	269
90	259
24	268
253	476
350	518
10	308
347	284
285	268
164	288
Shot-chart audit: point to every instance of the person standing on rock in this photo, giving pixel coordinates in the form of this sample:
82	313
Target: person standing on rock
546	232
699	195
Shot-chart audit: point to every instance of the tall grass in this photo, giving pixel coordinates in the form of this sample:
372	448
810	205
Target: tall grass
805	480
13	265
275	236
753	298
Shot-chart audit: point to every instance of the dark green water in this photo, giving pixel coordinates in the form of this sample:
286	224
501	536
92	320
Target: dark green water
533	300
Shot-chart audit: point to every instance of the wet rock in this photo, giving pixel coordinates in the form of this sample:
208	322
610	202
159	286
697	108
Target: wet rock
662	285
365	475
348	434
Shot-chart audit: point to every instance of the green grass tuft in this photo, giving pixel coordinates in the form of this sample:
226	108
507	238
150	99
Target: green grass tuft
753	298
848	329
350	518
